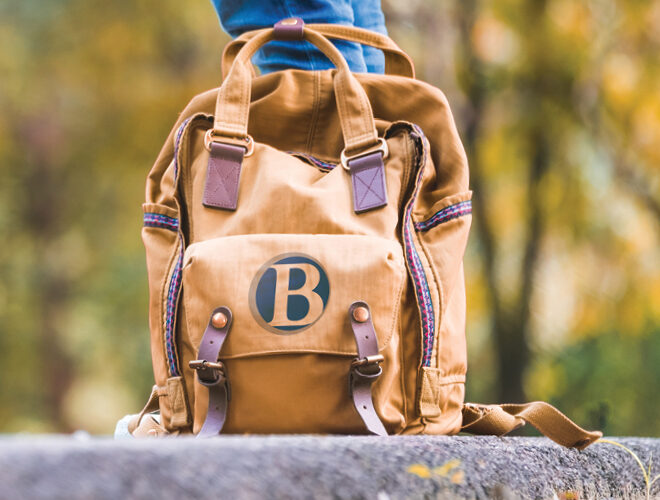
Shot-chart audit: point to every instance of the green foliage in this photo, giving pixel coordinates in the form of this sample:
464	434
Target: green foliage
611	381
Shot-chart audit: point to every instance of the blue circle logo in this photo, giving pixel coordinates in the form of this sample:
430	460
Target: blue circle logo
289	293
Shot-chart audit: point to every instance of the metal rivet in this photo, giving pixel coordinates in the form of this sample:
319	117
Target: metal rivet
292	21
360	314
219	320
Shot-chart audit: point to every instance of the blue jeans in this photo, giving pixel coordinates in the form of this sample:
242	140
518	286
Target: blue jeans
239	16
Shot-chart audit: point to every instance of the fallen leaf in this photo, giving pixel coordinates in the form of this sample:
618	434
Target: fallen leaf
444	469
420	470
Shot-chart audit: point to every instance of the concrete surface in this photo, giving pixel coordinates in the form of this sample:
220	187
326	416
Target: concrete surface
235	467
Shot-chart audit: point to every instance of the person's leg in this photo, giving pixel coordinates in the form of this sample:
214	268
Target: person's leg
368	14
238	16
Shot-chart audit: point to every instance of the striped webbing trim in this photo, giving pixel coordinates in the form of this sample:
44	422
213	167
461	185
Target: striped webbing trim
152	219
323	165
421	286
445	215
170	312
174	286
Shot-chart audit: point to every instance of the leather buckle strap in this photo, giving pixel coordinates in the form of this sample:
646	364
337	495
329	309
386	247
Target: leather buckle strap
212	373
365	369
203	366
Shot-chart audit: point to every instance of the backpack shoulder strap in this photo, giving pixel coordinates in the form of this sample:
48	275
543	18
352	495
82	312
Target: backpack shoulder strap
501	419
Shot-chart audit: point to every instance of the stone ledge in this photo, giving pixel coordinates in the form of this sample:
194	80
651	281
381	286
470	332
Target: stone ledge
255	467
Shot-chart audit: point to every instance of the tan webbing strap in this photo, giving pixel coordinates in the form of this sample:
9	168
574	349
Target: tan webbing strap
178	403
149	427
139	426
397	62
502	419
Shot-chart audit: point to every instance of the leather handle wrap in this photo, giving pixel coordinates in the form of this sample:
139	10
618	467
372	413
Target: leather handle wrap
397	62
355	114
502	419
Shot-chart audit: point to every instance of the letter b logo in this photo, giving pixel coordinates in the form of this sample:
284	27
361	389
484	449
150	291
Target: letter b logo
289	293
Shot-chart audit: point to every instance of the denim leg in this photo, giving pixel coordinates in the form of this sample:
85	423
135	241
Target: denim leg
369	15
238	16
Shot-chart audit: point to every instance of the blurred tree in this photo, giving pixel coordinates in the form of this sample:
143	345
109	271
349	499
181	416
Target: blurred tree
558	108
89	91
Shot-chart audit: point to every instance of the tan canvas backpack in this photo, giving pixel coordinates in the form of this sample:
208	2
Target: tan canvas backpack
305	234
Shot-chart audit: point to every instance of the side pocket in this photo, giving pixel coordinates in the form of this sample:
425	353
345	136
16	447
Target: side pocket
443	233
160	235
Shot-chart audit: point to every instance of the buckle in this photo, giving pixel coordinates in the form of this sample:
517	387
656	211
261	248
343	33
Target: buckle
218	369
368	362
376	359
382	147
202	364
247	142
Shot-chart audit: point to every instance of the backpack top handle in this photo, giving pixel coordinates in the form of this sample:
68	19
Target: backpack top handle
397	62
233	101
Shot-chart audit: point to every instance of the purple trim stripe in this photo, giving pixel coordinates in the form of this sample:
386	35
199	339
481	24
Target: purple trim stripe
314	161
177	141
422	290
159	220
174	287
445	215
170	313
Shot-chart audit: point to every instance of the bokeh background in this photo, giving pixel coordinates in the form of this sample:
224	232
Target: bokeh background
558	105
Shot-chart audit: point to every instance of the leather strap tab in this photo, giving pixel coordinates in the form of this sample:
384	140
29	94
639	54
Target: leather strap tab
212	374
502	419
368	179
290	29
223	176
365	369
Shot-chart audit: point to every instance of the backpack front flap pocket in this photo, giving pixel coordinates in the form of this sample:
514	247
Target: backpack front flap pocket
290	347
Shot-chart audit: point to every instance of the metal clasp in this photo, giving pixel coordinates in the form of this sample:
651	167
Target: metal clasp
247	142
382	147
368	362
202	364
376	359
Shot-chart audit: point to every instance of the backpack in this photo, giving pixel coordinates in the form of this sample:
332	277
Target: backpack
304	234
